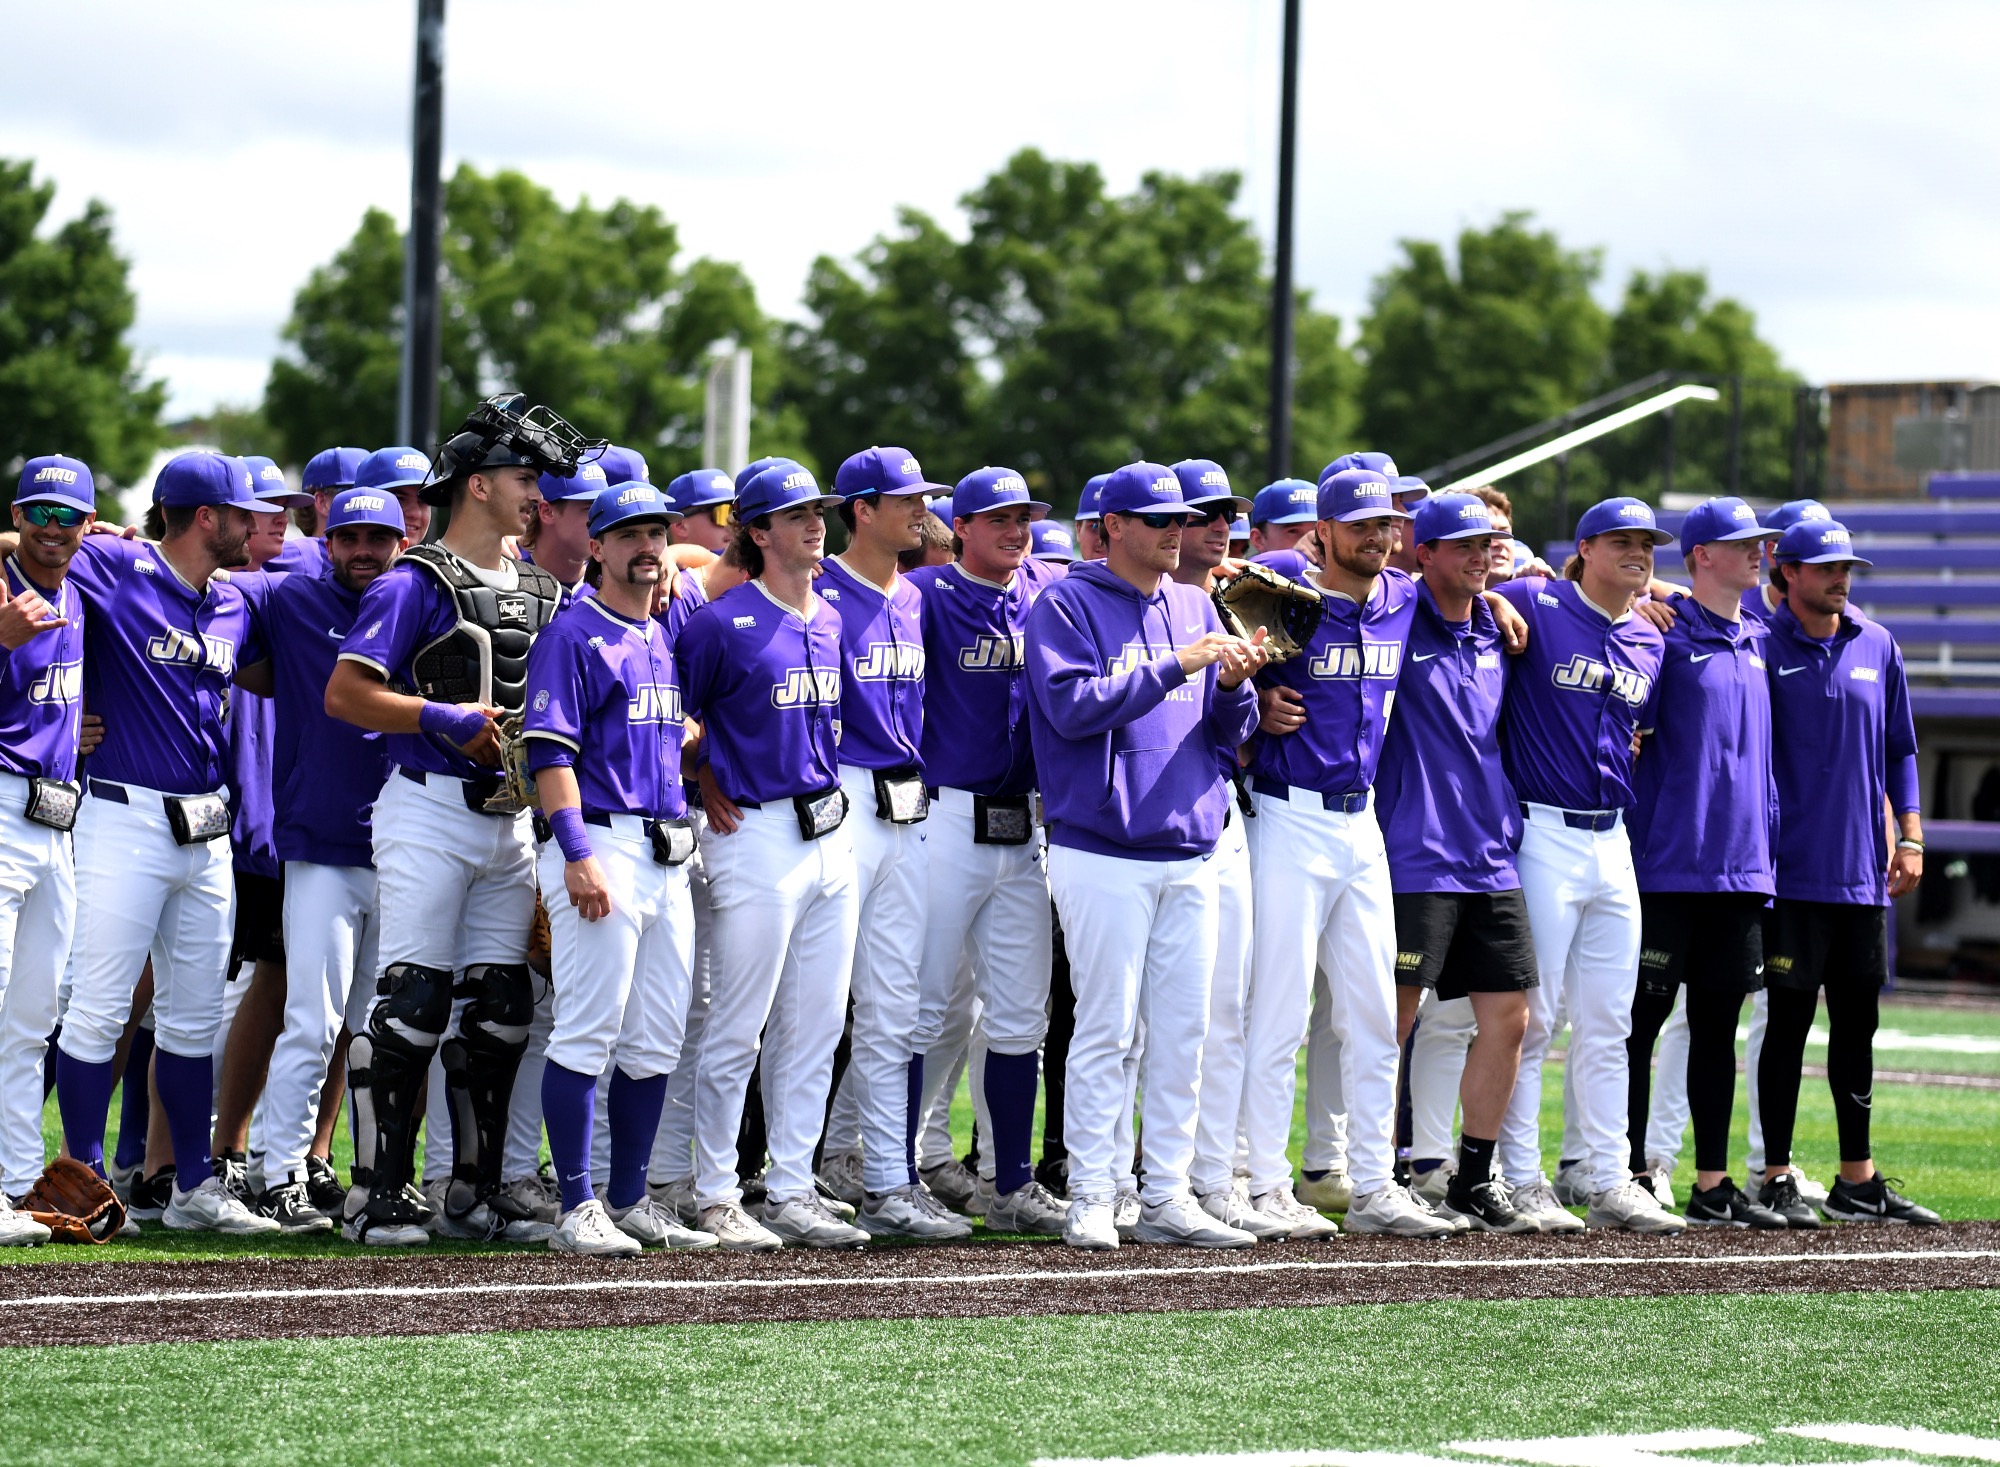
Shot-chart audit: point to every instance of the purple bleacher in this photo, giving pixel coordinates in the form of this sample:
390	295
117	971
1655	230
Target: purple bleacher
1928	702
1981	484
1963	632
1963	837
1873	590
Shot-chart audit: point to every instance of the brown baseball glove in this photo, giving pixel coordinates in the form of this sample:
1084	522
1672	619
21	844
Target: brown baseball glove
74	1203
1260	597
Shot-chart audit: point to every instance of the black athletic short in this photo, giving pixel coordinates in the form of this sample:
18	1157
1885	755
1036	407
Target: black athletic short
1461	942
260	920
1839	944
1713	940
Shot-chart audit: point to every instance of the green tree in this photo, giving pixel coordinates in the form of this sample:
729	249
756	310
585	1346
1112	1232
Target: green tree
583	308
67	373
1071	331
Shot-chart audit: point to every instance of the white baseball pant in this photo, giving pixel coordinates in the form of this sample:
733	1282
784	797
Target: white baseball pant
1667	1111
1445	1028
673	1148
1326	1099
521	1149
1219	1126
1322	897
330	968
37	922
1141	937
950	1060
1583	909
786	911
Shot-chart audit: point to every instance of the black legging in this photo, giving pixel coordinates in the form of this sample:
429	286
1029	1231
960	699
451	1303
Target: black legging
1711	1071
1055	1049
1852	1013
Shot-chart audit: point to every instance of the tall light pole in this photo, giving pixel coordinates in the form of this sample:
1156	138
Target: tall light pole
417	401
1279	463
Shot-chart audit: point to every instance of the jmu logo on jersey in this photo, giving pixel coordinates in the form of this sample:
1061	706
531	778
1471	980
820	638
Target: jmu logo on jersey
1585	675
993	654
185	649
1135	655
1865	674
807	687
884	662
654	703
61	683
1368	659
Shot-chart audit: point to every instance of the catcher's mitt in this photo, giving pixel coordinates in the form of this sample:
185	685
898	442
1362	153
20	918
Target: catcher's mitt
517	786
1260	597
74	1203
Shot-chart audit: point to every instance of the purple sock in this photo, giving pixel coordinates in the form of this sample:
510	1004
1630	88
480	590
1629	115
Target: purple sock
187	1086
1010	1103
569	1103
913	1120
83	1096
135	1108
633	1112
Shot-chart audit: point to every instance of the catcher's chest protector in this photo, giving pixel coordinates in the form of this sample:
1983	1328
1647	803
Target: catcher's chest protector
484	658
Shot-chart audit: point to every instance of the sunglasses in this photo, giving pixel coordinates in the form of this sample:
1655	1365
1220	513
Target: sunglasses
54	514
1160	521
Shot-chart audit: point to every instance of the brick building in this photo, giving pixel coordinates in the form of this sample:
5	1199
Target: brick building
1883	439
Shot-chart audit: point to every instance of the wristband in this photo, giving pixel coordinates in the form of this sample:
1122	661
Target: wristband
1906	844
449	721
567	825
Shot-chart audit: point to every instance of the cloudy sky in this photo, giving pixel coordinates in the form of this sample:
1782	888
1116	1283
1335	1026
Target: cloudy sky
1831	164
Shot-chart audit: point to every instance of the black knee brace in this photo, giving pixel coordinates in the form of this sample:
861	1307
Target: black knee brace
479	1066
385	1071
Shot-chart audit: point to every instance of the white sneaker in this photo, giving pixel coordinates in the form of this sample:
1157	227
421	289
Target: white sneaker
1333	1192
841	1173
1232	1211
1458	1224
677	1197
983	1193
121	1178
1181	1222
656	1226
1630	1207
809	1222
1660	1172
356	1227
1537	1203
1809	1190
737	1231
1574	1183
953	1185
528	1195
18	1230
1089	1225
587	1229
476	1224
1394	1211
909	1211
1433	1184
1029	1208
839	1206
1302	1224
210	1208
1125	1214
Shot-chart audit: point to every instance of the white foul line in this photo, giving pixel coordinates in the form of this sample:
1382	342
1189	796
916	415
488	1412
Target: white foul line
967	1280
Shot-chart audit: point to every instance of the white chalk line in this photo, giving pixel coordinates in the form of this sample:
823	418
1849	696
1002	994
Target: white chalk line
974	1280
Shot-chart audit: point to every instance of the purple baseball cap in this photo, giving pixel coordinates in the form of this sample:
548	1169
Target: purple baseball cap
1239	528
623	465
269	481
785	485
988	489
701	489
1358	494
892	471
1287	502
1621	513
1381	463
589	481
365	507
1086	504
201	477
1144	488
1792	511
1052	541
751	470
1408	488
941	507
57	479
1203	482
331	468
634	499
402	467
1818	542
1451	517
1723	518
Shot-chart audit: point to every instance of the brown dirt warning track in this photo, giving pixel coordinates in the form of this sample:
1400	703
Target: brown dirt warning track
436	1292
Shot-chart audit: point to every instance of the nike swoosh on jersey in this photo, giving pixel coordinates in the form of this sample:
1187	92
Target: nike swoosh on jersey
1699	656
1426	657
338	636
1788	671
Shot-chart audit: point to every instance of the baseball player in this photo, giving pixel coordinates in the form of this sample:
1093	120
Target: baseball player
1450	821
1282	515
558	534
604	736
454	621
989	900
760	667
1239	537
326	473
1134	687
41	708
164	639
703	497
1323	889
1844	744
1053	543
1574	706
1089	527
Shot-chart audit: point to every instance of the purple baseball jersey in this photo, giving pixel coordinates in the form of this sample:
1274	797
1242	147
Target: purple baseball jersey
1346	678
1842	738
403	610
881	668
1125	739
253	835
158	659
325	772
975	695
41	688
765	684
603	700
1575	697
678	608
1449	816
1706	808
302	555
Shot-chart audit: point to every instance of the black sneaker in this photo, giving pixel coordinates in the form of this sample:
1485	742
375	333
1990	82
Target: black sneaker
232	1169
1726	1206
150	1195
1053	1173
1875	1201
292	1206
323	1188
1486	1205
1781	1194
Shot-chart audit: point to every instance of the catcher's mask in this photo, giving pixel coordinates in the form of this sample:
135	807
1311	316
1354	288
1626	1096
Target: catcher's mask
502	430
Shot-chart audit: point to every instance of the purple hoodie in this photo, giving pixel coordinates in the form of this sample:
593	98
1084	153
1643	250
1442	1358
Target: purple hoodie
1125	741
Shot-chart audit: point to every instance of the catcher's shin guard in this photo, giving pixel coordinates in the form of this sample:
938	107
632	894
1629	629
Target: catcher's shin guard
479	1066
385	1076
